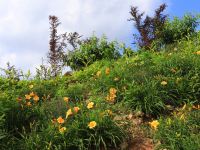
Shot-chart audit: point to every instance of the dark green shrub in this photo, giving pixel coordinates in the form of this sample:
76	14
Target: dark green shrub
175	30
91	50
179	28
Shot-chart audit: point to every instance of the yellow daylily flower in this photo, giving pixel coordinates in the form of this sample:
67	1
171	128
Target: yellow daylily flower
62	130
113	91
92	124
90	105
27	97
69	112
154	124
36	98
60	120
66	99
76	109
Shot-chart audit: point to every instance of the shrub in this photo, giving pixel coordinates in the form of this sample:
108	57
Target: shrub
179	28
91	50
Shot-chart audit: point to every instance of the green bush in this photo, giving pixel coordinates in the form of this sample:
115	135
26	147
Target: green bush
177	29
91	50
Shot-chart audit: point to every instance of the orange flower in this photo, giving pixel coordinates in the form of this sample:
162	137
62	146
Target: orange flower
90	105
69	112
29	104
98	74
107	71
66	99
163	83
60	120
36	98
32	94
92	124
62	130
28	97
76	109
154	124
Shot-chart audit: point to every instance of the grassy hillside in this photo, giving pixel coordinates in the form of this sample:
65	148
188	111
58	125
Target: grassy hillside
152	96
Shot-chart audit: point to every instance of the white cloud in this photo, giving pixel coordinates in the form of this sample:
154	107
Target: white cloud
24	31
11	57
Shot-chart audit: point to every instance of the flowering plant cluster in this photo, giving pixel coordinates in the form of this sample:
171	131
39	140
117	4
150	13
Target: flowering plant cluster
29	99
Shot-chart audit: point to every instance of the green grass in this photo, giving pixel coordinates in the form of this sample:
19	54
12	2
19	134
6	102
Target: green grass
181	131
138	84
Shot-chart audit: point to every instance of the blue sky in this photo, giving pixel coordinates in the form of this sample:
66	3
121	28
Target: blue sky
179	7
24	25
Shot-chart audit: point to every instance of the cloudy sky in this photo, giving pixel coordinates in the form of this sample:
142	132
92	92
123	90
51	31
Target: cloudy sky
24	24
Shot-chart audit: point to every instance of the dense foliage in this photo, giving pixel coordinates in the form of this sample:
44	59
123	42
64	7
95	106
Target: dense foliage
179	28
91	50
